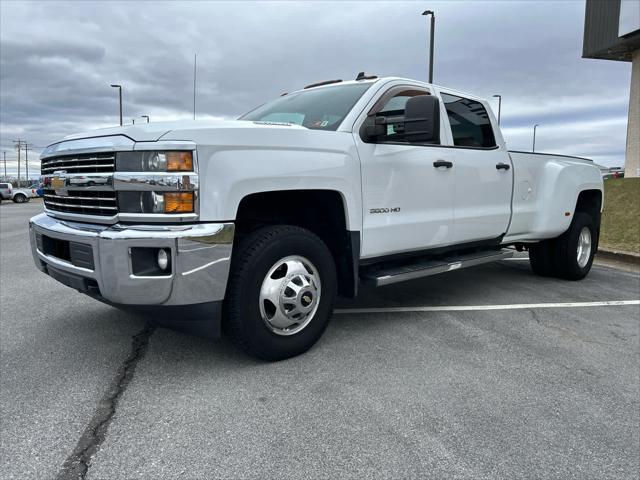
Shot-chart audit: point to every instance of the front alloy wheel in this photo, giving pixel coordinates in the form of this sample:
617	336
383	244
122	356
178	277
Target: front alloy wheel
290	295
281	289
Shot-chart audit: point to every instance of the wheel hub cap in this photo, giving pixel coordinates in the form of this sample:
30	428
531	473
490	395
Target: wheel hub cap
289	295
584	247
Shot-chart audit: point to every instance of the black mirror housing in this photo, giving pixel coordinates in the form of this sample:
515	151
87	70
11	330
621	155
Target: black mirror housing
422	119
378	129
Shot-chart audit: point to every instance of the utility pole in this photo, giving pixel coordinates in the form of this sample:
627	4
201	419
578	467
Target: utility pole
26	160
4	155
18	147
133	120
432	34
145	116
534	138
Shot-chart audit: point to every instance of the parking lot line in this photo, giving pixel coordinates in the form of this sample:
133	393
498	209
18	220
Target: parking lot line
464	308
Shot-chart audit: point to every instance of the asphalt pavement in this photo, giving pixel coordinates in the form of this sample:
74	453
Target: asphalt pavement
511	376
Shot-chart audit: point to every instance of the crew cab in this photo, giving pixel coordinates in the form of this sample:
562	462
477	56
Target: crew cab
267	218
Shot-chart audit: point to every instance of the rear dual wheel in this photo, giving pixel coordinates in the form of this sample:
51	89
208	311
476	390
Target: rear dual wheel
569	256
281	291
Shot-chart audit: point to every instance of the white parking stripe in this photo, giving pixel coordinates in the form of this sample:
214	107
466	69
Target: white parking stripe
464	308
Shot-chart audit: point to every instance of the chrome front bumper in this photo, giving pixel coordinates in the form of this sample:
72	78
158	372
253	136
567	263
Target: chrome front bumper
200	259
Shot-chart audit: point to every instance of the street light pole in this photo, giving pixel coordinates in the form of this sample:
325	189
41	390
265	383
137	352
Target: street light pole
119	87
432	33
499	97
145	116
534	138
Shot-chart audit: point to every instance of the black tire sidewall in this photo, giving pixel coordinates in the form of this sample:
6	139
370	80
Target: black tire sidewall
567	249
541	258
254	333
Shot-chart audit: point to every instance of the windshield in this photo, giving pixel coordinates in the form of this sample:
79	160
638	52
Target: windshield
320	109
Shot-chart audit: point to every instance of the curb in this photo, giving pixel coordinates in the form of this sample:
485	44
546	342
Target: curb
621	256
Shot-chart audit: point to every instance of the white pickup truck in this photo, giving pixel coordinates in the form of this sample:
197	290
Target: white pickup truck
267	218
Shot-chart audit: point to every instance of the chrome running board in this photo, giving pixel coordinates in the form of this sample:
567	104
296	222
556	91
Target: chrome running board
425	268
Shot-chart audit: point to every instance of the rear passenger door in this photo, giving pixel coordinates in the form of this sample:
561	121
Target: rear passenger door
482	170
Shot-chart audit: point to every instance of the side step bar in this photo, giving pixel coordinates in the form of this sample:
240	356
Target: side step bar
425	268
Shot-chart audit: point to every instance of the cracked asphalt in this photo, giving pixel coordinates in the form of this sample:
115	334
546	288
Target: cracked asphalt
531	393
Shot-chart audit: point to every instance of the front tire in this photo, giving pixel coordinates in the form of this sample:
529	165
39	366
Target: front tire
281	291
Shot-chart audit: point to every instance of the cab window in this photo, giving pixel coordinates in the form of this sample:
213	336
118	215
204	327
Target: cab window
470	124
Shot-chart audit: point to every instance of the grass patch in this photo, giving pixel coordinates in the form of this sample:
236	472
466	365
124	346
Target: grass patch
620	228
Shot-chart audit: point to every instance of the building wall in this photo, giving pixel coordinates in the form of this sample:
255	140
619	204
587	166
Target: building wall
600	26
632	161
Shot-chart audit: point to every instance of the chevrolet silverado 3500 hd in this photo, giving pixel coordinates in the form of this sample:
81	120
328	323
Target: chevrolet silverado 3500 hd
267	218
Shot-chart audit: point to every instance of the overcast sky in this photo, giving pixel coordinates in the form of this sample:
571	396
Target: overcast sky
58	59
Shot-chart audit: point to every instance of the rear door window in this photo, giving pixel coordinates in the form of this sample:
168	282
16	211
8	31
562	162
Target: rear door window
469	120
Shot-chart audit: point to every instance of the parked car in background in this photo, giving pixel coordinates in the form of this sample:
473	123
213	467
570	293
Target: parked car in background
5	191
18	195
612	172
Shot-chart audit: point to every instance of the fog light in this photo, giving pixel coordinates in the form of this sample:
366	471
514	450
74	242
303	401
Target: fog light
163	259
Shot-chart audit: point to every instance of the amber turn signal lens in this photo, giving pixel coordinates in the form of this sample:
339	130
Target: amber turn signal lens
179	161
178	202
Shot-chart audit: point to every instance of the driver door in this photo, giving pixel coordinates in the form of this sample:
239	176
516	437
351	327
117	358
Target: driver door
407	200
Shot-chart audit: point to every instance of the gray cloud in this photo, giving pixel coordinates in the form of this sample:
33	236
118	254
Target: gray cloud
58	59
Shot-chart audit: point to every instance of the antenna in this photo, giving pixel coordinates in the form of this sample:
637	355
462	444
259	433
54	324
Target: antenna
195	64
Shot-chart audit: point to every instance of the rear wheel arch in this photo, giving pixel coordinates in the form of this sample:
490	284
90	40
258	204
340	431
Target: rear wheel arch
590	202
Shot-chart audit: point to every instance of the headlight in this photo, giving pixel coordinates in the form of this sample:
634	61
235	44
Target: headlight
156	202
152	161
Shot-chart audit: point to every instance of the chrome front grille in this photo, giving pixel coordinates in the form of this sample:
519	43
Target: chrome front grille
85	163
82	201
82	183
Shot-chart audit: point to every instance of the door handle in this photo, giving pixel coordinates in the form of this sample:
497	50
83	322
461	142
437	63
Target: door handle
503	166
442	163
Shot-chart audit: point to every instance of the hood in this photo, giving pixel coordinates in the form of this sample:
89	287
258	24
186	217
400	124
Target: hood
198	131
151	132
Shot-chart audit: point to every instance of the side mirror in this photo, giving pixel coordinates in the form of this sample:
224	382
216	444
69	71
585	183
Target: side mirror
378	129
422	119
